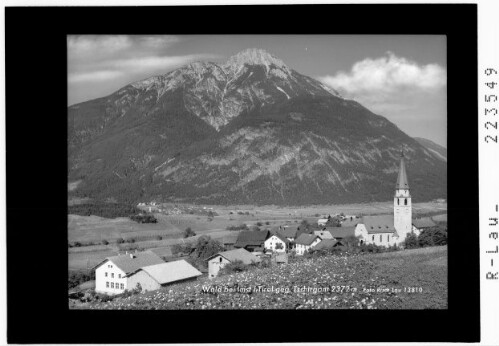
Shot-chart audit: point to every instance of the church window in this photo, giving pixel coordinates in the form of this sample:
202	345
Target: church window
405	202
380	238
398	201
388	238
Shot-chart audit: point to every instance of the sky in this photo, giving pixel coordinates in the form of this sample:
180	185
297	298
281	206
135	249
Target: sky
401	77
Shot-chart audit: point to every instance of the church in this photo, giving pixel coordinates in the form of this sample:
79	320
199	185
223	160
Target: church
388	230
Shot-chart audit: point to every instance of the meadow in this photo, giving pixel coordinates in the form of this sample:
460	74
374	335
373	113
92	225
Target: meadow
170	227
408	279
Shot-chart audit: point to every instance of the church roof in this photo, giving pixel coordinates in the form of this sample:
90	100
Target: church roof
402	182
379	223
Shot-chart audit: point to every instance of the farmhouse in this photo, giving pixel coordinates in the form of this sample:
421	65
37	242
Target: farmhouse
250	240
305	242
323	234
288	233
228	241
221	259
327	244
155	276
111	274
277	243
419	225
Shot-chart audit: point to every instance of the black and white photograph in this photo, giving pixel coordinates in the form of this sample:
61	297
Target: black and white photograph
183	173
257	172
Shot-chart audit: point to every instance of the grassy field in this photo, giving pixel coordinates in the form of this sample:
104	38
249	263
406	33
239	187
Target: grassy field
410	279
96	229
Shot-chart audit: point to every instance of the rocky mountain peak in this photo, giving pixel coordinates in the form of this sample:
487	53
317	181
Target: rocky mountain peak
254	56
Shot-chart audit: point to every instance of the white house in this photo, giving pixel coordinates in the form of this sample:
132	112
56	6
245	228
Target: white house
322	222
277	243
111	274
221	259
155	276
305	242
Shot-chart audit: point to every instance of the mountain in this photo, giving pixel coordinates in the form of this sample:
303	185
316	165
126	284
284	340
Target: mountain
249	131
437	150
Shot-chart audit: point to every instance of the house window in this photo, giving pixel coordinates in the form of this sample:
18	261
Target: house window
107	284
122	286
373	238
112	275
398	201
119	276
405	201
388	238
220	259
380	238
105	274
112	284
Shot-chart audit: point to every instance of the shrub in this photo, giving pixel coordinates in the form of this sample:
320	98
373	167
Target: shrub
189	233
144	218
77	244
241	227
433	236
411	241
259	224
158	237
120	241
130	240
105	242
236	266
267	223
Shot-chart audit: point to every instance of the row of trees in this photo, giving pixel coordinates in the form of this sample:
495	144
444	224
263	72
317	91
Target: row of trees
434	236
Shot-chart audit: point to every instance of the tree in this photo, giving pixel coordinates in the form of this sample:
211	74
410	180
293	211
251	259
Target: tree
351	241
334	221
411	241
207	247
433	236
189	233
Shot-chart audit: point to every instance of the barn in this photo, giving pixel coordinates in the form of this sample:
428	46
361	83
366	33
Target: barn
221	259
155	276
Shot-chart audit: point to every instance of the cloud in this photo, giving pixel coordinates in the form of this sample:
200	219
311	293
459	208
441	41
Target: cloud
91	44
96	76
94	60
387	75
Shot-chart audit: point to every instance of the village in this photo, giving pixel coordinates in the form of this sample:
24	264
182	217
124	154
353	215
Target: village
145	271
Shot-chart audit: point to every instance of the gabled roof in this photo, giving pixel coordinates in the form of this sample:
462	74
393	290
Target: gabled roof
306	239
132	262
323	234
423	222
288	232
402	182
230	239
238	254
341	232
379	223
327	244
168	272
251	238
284	239
350	223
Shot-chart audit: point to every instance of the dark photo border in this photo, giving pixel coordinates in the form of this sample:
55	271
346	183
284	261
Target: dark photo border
36	142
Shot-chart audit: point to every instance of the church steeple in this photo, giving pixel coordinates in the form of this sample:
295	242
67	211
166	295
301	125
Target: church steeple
402	182
402	204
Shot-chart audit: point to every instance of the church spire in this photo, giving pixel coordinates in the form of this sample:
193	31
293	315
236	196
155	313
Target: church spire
402	182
